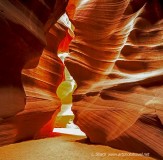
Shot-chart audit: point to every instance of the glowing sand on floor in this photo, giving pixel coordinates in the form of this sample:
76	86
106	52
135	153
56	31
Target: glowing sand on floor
70	131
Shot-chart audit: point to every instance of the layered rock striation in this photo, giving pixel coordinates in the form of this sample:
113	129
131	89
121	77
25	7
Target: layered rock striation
27	98
116	59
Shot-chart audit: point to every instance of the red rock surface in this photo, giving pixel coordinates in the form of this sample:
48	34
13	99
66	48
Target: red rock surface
116	60
27	31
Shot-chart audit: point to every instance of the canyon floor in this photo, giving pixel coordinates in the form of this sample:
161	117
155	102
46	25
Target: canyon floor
65	147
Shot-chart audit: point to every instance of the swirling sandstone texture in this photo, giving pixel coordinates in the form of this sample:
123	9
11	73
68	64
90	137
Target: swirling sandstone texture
116	58
28	29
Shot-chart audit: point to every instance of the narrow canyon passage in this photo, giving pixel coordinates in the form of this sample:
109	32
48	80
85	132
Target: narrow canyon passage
81	74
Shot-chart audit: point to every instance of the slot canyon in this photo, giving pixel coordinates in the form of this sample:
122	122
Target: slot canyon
95	66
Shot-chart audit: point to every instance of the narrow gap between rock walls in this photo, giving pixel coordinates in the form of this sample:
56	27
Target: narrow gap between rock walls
64	120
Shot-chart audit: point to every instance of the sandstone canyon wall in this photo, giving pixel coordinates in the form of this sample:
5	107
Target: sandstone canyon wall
29	101
116	59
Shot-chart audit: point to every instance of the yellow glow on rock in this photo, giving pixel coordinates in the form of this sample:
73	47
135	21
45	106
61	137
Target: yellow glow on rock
64	92
66	88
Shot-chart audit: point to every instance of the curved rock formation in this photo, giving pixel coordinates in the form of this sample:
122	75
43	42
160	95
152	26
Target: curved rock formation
116	60
27	31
